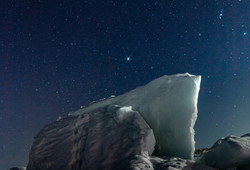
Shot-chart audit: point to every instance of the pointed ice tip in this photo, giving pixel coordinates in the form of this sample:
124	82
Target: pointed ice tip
182	75
186	74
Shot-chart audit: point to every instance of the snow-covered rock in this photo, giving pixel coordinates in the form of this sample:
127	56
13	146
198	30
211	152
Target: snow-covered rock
144	162
106	138
229	152
169	105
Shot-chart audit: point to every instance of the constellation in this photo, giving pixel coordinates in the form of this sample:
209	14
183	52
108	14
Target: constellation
221	13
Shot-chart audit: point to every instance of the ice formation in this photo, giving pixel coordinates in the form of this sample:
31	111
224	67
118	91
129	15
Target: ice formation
169	105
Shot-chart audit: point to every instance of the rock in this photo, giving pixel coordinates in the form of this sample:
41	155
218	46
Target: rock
229	152
18	168
106	138
145	162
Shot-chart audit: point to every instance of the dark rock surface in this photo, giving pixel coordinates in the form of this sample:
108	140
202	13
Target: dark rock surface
18	168
229	152
106	138
144	162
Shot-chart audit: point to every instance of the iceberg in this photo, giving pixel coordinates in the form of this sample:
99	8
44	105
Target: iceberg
169	105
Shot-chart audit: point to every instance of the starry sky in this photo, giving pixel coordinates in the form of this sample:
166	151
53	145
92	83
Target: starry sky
57	55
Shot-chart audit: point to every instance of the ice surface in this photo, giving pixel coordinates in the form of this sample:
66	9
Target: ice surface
169	105
229	152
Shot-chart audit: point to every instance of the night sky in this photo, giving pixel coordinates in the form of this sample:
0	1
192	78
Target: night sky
58	55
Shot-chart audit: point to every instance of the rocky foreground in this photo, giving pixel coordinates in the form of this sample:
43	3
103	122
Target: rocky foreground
148	128
109	138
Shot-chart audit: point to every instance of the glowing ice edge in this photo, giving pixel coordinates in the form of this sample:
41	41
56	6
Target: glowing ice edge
169	105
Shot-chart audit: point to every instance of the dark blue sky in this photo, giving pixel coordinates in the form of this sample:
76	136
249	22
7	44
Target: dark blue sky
59	55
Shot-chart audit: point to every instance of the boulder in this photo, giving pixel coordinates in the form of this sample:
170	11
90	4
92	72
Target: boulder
145	162
18	168
105	138
229	152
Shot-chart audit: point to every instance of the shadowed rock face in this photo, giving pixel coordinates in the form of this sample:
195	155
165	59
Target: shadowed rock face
144	162
106	138
229	152
18	168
